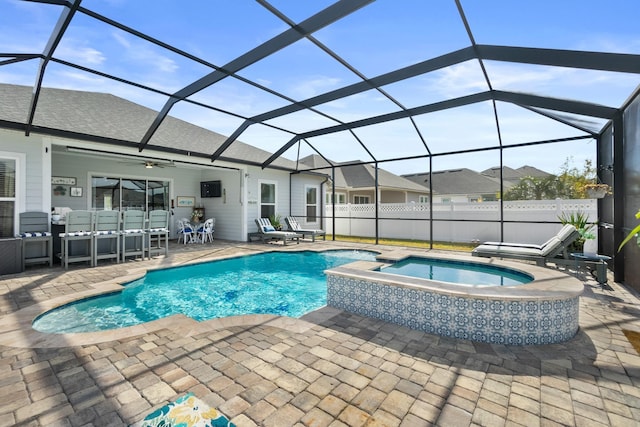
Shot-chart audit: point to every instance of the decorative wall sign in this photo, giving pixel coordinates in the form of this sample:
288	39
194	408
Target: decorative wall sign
185	201
62	180
76	192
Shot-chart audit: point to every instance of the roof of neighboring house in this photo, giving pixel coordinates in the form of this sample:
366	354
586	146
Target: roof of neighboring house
362	176
457	181
86	115
514	175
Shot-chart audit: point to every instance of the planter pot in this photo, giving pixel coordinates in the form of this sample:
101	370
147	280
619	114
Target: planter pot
590	247
596	193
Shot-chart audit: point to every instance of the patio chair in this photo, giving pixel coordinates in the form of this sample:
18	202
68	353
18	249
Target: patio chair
106	229
553	250
185	231
295	226
78	227
269	233
133	231
205	232
34	228
157	230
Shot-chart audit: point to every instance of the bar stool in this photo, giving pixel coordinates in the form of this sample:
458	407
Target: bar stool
133	230
34	228
78	227
106	228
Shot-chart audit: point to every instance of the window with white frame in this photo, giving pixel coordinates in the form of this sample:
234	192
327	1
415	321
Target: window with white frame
267	199
8	169
361	200
340	198
423	199
311	203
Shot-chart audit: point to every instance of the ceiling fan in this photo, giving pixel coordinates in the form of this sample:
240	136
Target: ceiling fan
150	164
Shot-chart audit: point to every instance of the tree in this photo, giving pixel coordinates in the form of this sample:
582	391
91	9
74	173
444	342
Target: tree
568	184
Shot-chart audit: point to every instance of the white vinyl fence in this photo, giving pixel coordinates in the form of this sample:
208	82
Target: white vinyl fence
411	220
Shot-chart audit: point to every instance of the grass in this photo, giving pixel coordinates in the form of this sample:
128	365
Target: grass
449	246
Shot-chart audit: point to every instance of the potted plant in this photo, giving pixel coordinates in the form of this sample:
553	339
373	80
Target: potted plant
596	190
197	215
633	233
276	221
580	221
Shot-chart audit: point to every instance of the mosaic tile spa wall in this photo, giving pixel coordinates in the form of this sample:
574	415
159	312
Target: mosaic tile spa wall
512	322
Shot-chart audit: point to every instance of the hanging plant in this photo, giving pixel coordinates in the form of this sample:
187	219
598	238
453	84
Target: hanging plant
597	191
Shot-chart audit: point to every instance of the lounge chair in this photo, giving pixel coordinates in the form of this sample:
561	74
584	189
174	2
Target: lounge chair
268	232
295	226
550	251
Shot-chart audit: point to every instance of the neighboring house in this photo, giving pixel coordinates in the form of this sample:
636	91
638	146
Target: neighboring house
466	185
356	184
513	176
82	153
458	185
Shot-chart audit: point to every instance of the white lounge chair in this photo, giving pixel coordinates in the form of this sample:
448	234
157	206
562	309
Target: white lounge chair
268	232
551	250
295	226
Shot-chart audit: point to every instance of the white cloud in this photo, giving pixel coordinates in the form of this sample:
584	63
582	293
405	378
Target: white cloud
80	54
314	86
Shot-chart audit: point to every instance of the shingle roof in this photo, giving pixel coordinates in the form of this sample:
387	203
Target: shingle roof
457	181
107	116
514	175
362	176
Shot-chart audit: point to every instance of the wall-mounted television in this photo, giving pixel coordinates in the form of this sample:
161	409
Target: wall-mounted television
210	189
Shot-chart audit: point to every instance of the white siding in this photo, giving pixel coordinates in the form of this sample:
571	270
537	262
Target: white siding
228	209
36	178
298	199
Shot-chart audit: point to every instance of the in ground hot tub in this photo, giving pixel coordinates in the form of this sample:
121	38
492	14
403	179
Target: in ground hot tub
543	311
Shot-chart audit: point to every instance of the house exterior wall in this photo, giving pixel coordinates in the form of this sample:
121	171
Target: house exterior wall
229	208
299	185
255	177
391	196
33	181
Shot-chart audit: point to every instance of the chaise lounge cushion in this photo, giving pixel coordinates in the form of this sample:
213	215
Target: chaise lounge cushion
554	247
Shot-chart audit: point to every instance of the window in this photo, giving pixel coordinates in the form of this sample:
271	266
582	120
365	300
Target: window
267	199
7	196
312	204
361	200
340	198
423	199
111	193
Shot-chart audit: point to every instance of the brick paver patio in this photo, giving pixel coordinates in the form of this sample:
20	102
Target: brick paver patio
330	369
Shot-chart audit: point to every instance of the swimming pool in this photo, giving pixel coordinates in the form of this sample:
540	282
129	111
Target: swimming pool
459	272
280	283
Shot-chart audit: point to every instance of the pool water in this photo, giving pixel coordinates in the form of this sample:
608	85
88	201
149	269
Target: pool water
286	284
458	272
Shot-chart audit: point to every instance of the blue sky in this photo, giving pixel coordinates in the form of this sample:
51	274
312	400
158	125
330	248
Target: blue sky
381	37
